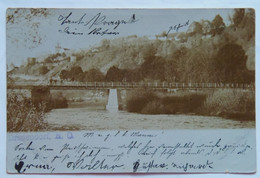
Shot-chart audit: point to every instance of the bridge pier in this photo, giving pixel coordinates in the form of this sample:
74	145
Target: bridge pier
112	104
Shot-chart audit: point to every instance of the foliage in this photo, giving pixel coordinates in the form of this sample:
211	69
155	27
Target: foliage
149	103
138	99
31	61
238	16
28	114
195	28
231	103
28	18
230	63
217	26
209	51
23	116
114	74
76	74
94	75
228	103
43	70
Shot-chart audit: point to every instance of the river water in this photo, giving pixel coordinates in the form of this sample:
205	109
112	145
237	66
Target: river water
100	119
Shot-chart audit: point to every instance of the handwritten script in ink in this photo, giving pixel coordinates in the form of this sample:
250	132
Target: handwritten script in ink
99	24
128	151
177	27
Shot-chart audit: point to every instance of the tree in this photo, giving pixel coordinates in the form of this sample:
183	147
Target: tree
75	70
170	71
230	64
31	61
238	16
64	74
195	28
217	25
114	74
76	73
133	75
180	57
29	20
197	66
94	75
43	70
248	24
153	68
206	26
48	59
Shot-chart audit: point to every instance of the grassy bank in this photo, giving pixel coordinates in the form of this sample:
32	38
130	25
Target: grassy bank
227	103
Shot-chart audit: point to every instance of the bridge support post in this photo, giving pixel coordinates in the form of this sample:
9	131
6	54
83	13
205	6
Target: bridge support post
112	104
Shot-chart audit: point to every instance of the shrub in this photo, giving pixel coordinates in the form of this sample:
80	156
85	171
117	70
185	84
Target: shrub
153	107
189	103
43	70
138	99
231	103
149	103
23	116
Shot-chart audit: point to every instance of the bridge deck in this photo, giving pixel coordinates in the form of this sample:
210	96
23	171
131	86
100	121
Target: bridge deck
125	85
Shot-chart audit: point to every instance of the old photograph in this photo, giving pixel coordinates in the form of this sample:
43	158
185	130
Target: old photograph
130	90
130	69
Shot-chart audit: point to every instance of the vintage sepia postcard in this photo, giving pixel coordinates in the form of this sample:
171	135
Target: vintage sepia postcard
130	90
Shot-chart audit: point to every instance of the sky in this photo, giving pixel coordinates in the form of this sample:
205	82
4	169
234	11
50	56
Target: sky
86	24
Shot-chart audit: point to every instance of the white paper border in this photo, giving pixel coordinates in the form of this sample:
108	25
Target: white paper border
115	4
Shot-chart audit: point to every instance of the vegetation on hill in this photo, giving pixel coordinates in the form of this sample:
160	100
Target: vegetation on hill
207	52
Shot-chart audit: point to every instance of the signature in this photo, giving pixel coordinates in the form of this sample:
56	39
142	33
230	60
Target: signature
188	166
99	24
177	27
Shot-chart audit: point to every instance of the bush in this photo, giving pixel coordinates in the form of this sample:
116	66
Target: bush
189	103
23	116
153	107
43	70
138	100
231	103
149	103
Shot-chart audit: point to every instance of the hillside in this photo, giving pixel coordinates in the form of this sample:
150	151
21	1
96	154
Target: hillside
207	52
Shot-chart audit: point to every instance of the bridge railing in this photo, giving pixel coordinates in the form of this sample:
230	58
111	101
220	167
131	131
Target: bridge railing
166	85
154	85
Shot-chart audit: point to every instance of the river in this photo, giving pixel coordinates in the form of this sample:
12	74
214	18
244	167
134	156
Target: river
100	119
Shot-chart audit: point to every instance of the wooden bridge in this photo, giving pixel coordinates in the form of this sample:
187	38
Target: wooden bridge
124	85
